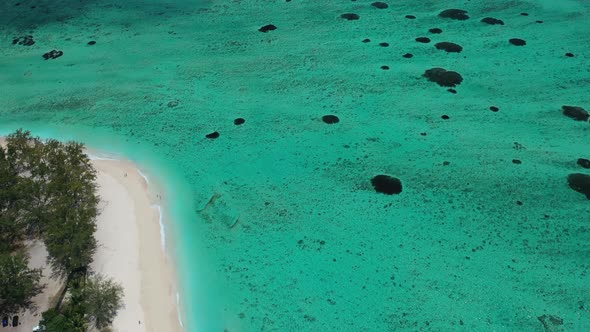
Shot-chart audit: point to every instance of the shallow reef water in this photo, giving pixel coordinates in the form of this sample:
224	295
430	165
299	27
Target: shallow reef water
286	130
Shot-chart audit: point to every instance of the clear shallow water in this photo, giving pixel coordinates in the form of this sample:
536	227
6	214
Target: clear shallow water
296	238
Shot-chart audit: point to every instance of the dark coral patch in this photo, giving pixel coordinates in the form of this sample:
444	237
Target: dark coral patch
575	112
583	162
443	77
54	54
424	40
239	121
492	21
350	16
454	14
435	30
380	5
580	183
212	135
408	55
25	41
449	47
330	119
517	41
386	184
267	28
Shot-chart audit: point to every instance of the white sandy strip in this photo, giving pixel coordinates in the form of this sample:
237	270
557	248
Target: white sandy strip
130	249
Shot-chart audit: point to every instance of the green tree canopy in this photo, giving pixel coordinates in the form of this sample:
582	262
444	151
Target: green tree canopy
48	191
104	297
69	232
18	283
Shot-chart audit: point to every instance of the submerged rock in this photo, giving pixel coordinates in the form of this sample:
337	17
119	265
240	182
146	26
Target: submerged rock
580	183
380	5
575	112
330	119
25	41
54	54
386	184
551	323
492	21
583	162
350	16
267	28
517	41
449	47
443	77
454	14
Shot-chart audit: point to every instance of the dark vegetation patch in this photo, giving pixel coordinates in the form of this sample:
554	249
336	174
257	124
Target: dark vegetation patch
443	77
575	112
580	183
585	163
54	54
449	47
517	41
380	5
386	184
492	21
330	119
454	14
212	135
24	40
350	16
267	28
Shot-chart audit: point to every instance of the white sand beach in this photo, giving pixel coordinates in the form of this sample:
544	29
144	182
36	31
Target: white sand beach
130	249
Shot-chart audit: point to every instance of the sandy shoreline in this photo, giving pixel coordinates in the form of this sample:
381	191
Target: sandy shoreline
130	250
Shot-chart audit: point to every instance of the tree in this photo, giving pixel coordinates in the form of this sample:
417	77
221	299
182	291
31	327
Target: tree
104	297
12	227
69	233
18	283
55	321
23	160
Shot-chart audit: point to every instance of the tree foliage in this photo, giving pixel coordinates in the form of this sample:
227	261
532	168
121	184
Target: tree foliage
18	283
47	191
56	321
12	225
69	233
104	298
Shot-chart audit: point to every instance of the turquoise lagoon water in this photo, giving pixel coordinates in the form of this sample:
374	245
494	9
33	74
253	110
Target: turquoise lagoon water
296	238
